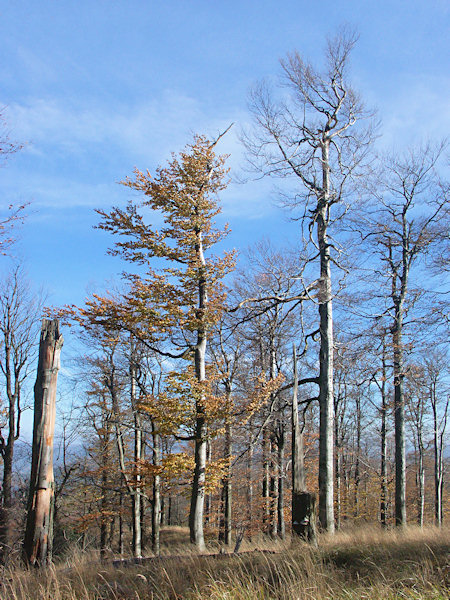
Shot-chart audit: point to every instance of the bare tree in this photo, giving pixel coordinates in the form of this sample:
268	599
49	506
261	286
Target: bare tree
13	214
20	313
439	400
409	220
315	135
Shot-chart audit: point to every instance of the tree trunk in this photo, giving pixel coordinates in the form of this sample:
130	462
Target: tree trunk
303	503
383	490
6	524
198	483
156	506
136	505
225	532
420	488
280	508
273	490
250	483
38	534
326	426
266	480
399	420
208	499
13	394
120	545
438	448
357	479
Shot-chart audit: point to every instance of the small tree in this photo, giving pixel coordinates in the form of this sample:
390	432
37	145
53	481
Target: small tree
173	307
20	313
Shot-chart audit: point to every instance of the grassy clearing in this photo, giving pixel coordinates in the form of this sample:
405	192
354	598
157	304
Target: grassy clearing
362	564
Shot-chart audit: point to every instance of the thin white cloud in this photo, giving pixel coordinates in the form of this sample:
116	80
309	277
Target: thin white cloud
143	131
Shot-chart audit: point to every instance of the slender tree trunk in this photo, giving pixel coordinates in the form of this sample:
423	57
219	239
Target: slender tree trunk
273	490
399	420
338	461
6	506
144	499
120	545
39	528
250	483
383	490
225	533
6	521
420	488
156	506
357	478
280	508
208	499
136	497
169	510
266	480
326	425
438	448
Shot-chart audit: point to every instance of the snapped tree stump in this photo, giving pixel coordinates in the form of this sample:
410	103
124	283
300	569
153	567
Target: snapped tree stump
39	529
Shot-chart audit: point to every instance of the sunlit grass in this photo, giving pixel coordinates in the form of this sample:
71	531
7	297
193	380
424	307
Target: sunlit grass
358	564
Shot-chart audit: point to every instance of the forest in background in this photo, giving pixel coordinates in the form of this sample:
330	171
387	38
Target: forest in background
184	400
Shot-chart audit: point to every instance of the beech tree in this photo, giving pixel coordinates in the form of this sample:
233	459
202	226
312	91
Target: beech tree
408	220
175	301
316	136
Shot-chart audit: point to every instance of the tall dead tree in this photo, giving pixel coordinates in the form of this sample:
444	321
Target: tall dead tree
315	136
39	528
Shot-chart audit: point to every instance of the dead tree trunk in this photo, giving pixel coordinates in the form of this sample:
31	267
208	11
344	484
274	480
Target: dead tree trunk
38	534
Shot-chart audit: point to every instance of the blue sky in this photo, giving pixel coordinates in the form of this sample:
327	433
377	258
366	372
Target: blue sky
93	88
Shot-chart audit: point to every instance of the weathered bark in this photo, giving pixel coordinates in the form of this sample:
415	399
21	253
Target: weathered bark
38	534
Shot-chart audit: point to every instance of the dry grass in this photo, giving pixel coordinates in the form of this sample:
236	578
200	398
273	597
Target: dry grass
360	564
